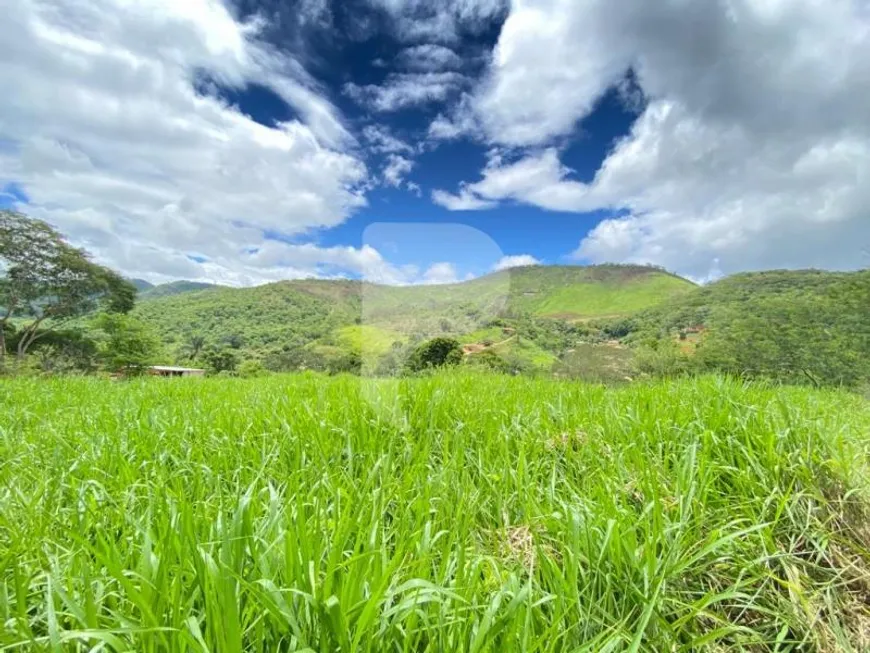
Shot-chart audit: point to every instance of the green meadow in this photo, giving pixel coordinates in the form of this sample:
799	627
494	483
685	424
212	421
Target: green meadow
452	512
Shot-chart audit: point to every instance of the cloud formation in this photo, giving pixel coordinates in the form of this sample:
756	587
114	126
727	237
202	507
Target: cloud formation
515	261
753	148
104	126
404	90
438	21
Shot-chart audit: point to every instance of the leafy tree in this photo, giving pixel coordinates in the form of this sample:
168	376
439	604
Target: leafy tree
194	345
293	359
221	360
348	362
251	369
664	359
489	360
234	341
47	282
438	352
125	343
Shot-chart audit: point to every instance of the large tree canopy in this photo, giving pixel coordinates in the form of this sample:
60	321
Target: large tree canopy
45	281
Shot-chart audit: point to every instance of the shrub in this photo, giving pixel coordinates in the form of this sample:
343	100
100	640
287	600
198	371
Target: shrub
437	352
251	368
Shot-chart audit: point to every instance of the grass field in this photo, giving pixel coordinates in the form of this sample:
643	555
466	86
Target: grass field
451	513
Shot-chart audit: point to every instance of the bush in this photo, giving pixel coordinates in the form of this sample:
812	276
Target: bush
490	361
663	360
251	368
437	352
220	360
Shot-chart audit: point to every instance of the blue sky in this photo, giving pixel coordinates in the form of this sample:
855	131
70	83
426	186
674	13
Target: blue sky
246	141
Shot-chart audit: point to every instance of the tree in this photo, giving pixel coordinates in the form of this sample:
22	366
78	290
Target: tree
194	345
437	352
221	360
489	360
125	344
48	282
251	368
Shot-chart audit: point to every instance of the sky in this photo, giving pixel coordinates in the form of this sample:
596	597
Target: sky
431	141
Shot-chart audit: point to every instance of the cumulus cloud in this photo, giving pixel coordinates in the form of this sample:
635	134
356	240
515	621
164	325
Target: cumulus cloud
538	179
404	90
464	201
104	129
515	261
396	169
438	21
753	148
440	273
381	141
429	58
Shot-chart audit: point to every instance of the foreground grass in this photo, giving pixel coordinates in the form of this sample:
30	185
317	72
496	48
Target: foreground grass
455	513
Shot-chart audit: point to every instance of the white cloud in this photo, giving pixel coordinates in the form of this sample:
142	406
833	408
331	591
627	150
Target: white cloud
438	21
403	90
551	63
753	149
516	261
396	169
538	179
440	273
461	121
381	141
104	130
464	201
429	58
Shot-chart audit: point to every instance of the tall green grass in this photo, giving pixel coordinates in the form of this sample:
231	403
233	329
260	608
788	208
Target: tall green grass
452	513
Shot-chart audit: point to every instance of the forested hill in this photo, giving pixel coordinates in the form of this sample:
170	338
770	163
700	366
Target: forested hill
172	288
796	326
782	324
294	313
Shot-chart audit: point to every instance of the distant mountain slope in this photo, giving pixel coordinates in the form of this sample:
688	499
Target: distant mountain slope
567	292
285	314
584	292
141	285
173	288
742	294
291	313
795	326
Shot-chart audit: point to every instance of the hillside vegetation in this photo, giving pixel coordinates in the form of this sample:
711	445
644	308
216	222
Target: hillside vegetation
272	322
173	288
797	326
450	513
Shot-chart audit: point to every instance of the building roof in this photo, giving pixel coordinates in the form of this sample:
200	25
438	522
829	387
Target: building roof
169	368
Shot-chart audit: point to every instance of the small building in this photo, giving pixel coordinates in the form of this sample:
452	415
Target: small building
165	370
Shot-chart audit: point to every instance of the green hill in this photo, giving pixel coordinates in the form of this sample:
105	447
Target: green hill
805	325
173	288
141	285
796	326
324	316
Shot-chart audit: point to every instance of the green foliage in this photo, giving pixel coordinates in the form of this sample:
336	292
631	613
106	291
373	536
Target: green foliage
805	327
220	359
596	363
173	288
457	512
489	360
125	343
250	369
438	352
368	319
259	321
46	282
662	359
